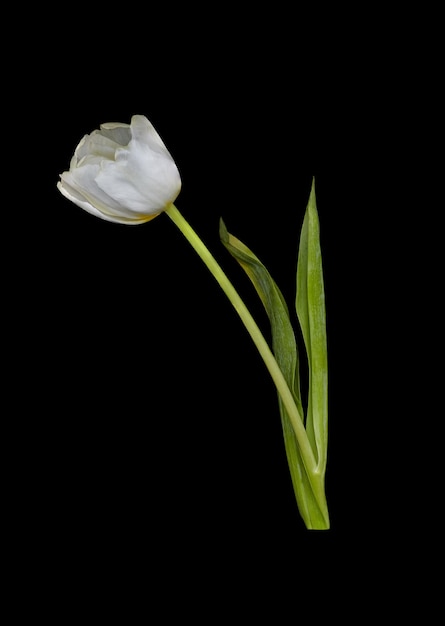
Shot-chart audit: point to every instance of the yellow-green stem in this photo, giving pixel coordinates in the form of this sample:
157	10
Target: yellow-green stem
259	340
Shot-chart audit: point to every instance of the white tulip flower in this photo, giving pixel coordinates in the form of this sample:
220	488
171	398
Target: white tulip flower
122	173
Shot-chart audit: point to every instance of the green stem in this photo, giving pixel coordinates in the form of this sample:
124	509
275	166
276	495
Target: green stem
258	338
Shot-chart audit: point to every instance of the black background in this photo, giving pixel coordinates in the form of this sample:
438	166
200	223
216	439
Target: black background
153	445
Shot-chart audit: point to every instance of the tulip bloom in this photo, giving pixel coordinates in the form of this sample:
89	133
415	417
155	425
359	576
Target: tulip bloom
122	173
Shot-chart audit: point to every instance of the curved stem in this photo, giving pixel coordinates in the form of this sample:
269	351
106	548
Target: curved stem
255	333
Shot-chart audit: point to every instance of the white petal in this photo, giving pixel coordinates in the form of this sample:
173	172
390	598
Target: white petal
144	132
79	152
83	180
120	133
140	179
73	195
98	145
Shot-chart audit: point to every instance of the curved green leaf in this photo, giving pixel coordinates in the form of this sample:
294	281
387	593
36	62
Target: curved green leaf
283	338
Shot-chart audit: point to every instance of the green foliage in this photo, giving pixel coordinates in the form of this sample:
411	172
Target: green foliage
308	482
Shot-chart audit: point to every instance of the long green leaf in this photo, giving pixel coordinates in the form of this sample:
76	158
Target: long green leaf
283	339
310	305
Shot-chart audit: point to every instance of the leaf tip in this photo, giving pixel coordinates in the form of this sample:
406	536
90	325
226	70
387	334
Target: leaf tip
223	233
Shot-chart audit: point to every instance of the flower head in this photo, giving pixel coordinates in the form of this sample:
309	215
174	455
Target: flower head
122	173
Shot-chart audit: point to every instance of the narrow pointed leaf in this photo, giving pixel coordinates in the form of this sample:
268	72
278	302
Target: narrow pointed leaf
310	305
283	338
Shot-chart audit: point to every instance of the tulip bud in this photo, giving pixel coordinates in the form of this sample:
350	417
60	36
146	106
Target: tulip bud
122	173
